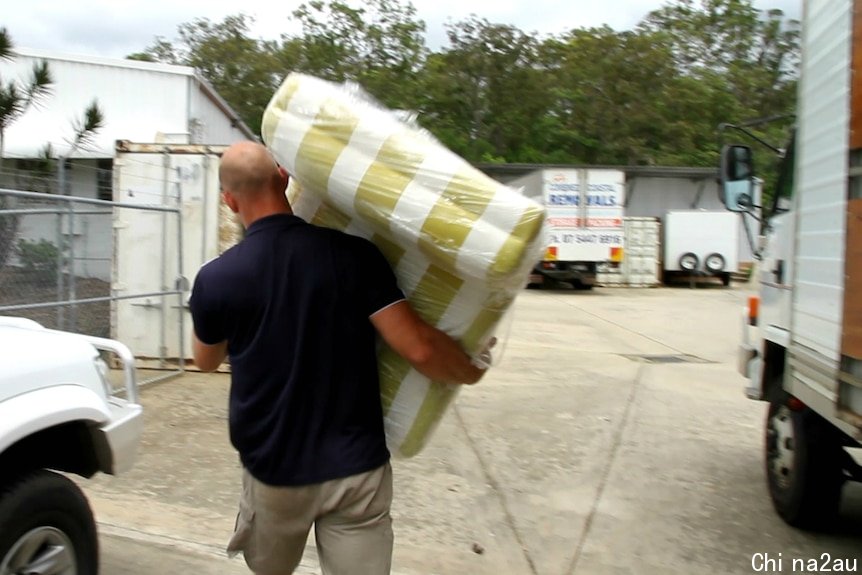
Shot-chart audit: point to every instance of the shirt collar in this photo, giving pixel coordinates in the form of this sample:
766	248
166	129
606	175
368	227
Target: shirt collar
275	220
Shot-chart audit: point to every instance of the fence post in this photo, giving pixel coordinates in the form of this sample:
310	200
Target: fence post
181	285
60	310
164	308
73	309
73	295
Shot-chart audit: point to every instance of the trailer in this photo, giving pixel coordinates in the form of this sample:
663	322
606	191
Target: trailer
700	244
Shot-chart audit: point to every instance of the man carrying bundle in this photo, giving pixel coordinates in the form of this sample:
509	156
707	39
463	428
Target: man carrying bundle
297	308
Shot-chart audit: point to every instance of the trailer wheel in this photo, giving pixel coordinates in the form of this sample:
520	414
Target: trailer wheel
688	261
714	263
804	467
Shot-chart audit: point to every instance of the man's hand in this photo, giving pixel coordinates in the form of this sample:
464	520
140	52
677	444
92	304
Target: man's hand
484	359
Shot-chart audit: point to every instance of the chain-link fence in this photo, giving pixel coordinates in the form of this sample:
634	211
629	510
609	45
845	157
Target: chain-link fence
59	267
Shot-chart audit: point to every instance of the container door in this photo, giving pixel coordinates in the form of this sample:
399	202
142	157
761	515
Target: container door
157	252
642	251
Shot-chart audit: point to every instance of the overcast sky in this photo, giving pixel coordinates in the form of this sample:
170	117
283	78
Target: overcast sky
116	28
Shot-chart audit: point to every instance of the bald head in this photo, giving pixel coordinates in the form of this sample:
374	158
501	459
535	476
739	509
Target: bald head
252	183
248	168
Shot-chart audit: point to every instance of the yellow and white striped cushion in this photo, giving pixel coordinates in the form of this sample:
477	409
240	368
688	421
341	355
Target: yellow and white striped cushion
460	243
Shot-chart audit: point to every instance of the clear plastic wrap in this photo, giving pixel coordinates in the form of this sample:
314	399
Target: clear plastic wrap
460	243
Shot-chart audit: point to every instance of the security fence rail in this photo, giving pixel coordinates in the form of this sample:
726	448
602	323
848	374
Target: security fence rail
59	266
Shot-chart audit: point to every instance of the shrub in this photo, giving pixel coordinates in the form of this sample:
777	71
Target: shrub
39	258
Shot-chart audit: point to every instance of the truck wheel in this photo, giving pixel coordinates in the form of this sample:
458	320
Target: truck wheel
46	527
803	467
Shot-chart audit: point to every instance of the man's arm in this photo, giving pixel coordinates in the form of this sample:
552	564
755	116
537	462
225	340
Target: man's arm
208	357
433	353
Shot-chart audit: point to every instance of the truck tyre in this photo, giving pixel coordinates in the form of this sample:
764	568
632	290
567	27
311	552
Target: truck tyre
46	526
714	263
688	262
803	467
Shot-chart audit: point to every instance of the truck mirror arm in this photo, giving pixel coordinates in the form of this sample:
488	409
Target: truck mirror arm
756	248
744	129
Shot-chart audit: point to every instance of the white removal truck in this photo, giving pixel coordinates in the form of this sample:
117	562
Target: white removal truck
584	222
802	340
701	242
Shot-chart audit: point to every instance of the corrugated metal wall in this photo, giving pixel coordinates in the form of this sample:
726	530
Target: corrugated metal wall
136	102
210	125
141	101
822	177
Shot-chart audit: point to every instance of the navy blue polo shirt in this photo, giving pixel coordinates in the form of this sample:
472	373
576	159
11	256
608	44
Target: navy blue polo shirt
293	301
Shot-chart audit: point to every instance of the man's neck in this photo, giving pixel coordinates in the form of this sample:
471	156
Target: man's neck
251	216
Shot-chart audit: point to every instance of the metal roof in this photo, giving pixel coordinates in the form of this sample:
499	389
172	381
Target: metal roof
516	170
141	101
101	61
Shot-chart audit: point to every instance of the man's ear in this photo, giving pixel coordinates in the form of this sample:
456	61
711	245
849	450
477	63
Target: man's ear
283	179
230	201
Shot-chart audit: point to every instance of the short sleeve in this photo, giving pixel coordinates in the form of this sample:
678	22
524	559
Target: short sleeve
207	316
378	285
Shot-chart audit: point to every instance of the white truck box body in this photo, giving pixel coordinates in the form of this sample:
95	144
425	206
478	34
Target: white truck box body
818	319
822	180
585	212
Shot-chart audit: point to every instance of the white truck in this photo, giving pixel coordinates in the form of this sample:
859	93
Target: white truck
802	337
59	412
700	243
584	222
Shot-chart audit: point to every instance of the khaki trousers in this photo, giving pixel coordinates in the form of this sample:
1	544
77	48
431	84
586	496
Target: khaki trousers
352	525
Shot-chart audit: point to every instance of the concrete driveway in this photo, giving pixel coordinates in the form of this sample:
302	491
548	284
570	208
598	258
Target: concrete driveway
613	437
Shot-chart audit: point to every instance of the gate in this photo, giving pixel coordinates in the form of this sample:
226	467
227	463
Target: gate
59	263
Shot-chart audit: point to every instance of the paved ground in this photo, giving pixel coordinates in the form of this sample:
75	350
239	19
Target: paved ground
612	438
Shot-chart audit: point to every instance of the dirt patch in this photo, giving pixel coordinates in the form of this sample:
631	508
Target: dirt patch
19	287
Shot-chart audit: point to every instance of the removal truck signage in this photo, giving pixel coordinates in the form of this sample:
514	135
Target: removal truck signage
585	212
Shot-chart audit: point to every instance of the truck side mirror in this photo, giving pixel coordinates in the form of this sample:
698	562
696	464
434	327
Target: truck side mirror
737	178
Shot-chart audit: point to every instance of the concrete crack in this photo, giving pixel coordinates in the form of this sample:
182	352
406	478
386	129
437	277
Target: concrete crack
486	471
606	473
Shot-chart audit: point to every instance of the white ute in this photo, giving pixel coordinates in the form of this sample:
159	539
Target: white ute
58	413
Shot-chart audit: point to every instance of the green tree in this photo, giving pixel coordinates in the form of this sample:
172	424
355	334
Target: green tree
750	54
738	64
652	95
484	95
85	127
17	98
619	98
161	50
242	69
380	45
